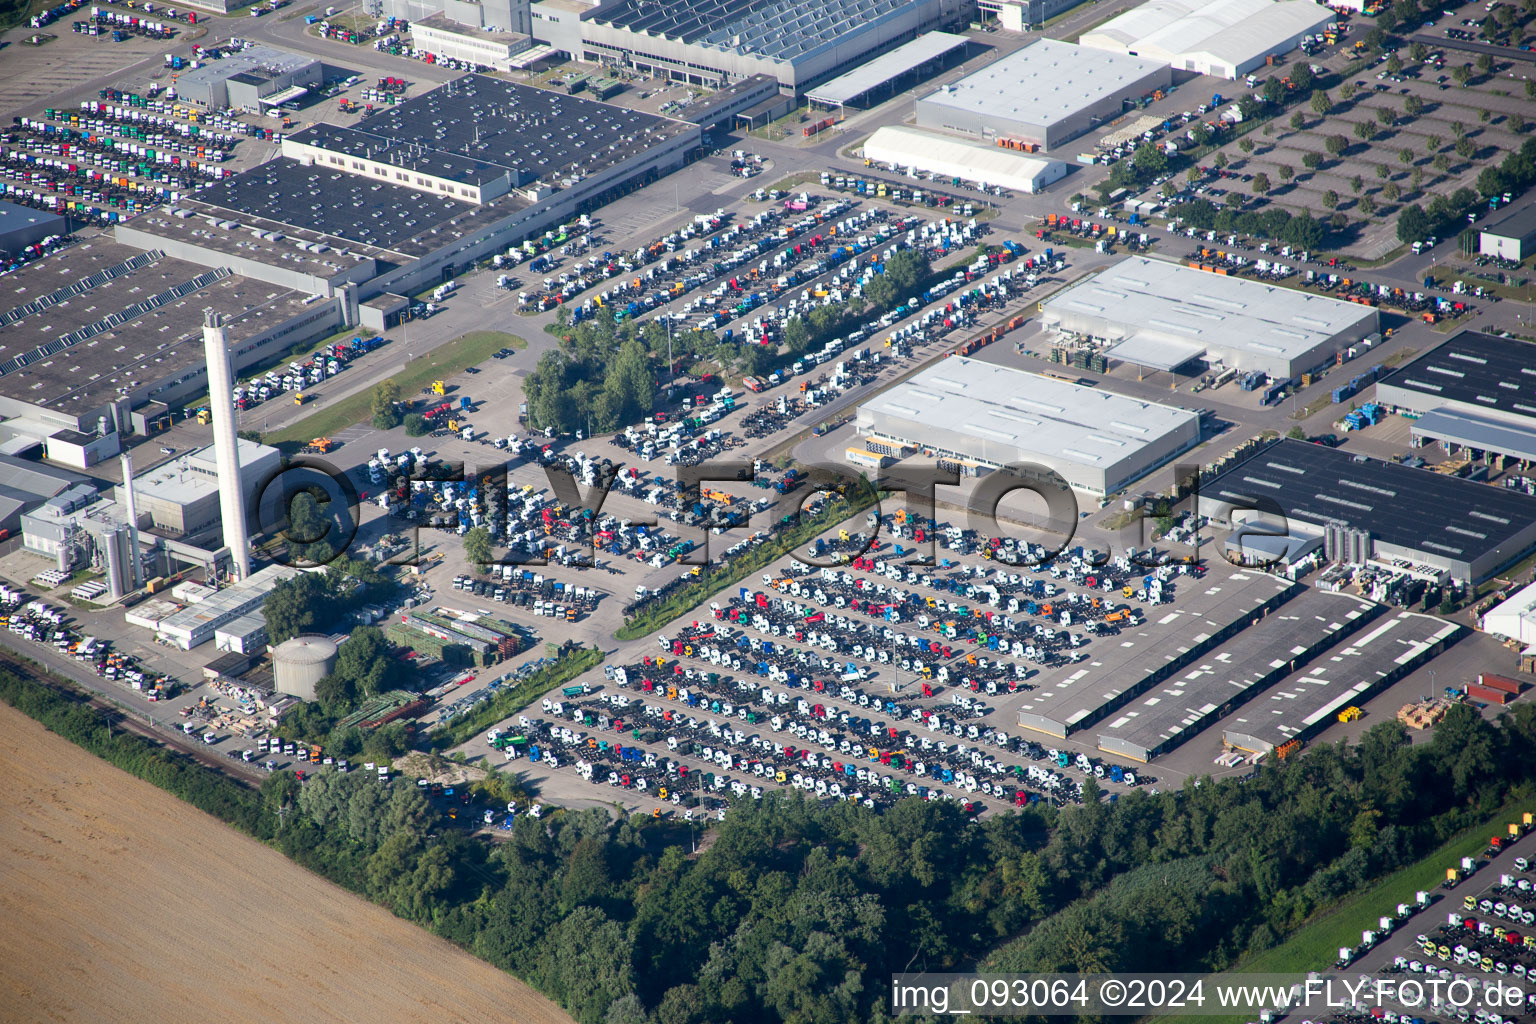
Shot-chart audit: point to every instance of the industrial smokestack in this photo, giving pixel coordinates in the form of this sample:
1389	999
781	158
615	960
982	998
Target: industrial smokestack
225	442
132	508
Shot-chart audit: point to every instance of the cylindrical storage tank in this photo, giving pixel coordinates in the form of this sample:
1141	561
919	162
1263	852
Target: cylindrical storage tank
301	662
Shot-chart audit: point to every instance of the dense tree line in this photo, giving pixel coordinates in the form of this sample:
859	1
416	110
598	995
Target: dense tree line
1443	214
1301	230
797	912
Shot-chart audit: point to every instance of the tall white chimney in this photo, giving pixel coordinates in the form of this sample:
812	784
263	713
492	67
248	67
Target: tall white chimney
132	508
221	401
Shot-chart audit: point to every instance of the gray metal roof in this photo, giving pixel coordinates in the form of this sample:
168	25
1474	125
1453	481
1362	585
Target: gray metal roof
779	30
1045	82
926	47
1157	299
1005	415
1519	222
1256	658
1475	432
1306	700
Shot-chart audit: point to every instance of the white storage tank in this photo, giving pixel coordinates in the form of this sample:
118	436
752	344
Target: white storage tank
301	662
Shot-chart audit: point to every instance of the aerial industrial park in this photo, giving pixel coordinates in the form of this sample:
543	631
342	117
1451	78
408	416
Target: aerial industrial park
720	510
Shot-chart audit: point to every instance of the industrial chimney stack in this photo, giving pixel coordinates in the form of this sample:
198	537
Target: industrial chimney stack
132	508
221	401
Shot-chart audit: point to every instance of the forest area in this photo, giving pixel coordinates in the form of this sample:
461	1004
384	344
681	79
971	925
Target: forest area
796	912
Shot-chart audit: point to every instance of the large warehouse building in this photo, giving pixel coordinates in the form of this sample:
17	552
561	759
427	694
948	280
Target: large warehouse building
1162	315
714	42
252	79
979	416
912	149
421	190
1476	392
107	328
1373	511
1224	38
1044	94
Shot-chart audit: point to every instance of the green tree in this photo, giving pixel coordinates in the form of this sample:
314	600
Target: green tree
1336	144
1530	88
1413	106
1442	163
1432	143
366	663
1233	200
1383	172
1384	116
1192	175
1391	191
1286	172
1274	91
1465	148
386	411
416	424
477	545
1405	156
1363	131
1416	180
1301	77
1412	224
1150	160
1484	63
1330	199
1312	161
1321	104
1518	124
1356	184
1220	162
1169	190
1298	121
1458	129
1260	183
1394	63
1296	434
295	606
1367	205
1246	145
1418	52
1462	74
797	336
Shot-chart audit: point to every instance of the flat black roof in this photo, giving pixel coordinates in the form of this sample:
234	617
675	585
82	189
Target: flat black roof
1414	509
425	160
1517	223
1498	374
334	202
478	121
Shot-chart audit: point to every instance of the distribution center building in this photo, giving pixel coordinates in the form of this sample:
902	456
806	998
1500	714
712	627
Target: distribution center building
1044	94
1477	391
1162	315
1224	38
1375	512
979	416
715	42
421	190
912	149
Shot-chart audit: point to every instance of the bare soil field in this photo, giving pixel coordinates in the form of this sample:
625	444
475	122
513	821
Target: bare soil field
121	903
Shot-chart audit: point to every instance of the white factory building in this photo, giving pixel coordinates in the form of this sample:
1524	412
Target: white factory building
979	416
196	624
181	497
912	150
1224	38
1043	94
1514	617
1162	315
